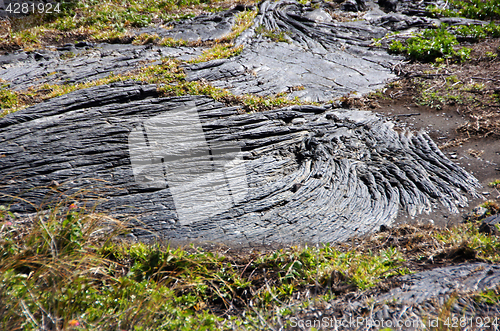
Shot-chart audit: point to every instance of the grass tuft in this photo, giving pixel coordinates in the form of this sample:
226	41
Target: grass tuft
70	267
495	184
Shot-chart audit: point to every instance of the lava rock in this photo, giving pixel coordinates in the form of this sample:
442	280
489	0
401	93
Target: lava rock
353	5
337	174
488	225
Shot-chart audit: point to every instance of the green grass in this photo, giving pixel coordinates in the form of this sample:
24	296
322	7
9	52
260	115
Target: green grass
8	99
467	240
69	266
112	20
490	297
274	35
453	92
219	51
477	32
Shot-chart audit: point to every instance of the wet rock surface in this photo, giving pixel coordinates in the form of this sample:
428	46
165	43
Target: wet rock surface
313	174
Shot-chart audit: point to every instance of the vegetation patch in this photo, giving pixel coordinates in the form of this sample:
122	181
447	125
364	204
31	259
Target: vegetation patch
170	78
8	99
21	100
243	21
274	35
219	51
431	44
477	9
71	267
109	20
70	264
495	184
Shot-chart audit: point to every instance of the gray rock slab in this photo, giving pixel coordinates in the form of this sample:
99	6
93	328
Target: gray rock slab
325	58
268	68
441	282
206	27
292	175
87	62
426	300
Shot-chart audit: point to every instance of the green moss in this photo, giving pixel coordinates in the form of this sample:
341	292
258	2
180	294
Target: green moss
274	35
170	42
219	51
8	99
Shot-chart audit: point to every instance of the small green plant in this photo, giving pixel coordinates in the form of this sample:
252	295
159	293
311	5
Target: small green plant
144	39
275	35
171	42
431	44
491	55
477	32
474	87
495	184
219	51
478	9
67	55
452	79
490	297
8	99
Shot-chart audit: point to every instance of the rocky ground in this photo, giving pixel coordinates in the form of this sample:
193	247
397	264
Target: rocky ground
337	138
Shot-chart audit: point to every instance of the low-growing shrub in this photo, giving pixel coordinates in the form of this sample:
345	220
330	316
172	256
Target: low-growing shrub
431	44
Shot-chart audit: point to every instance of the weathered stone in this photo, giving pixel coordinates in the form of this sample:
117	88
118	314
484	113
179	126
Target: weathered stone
81	63
313	174
489	225
417	302
441	282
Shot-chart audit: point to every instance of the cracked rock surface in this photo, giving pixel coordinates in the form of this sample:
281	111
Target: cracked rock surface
323	53
288	176
310	174
326	59
82	62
